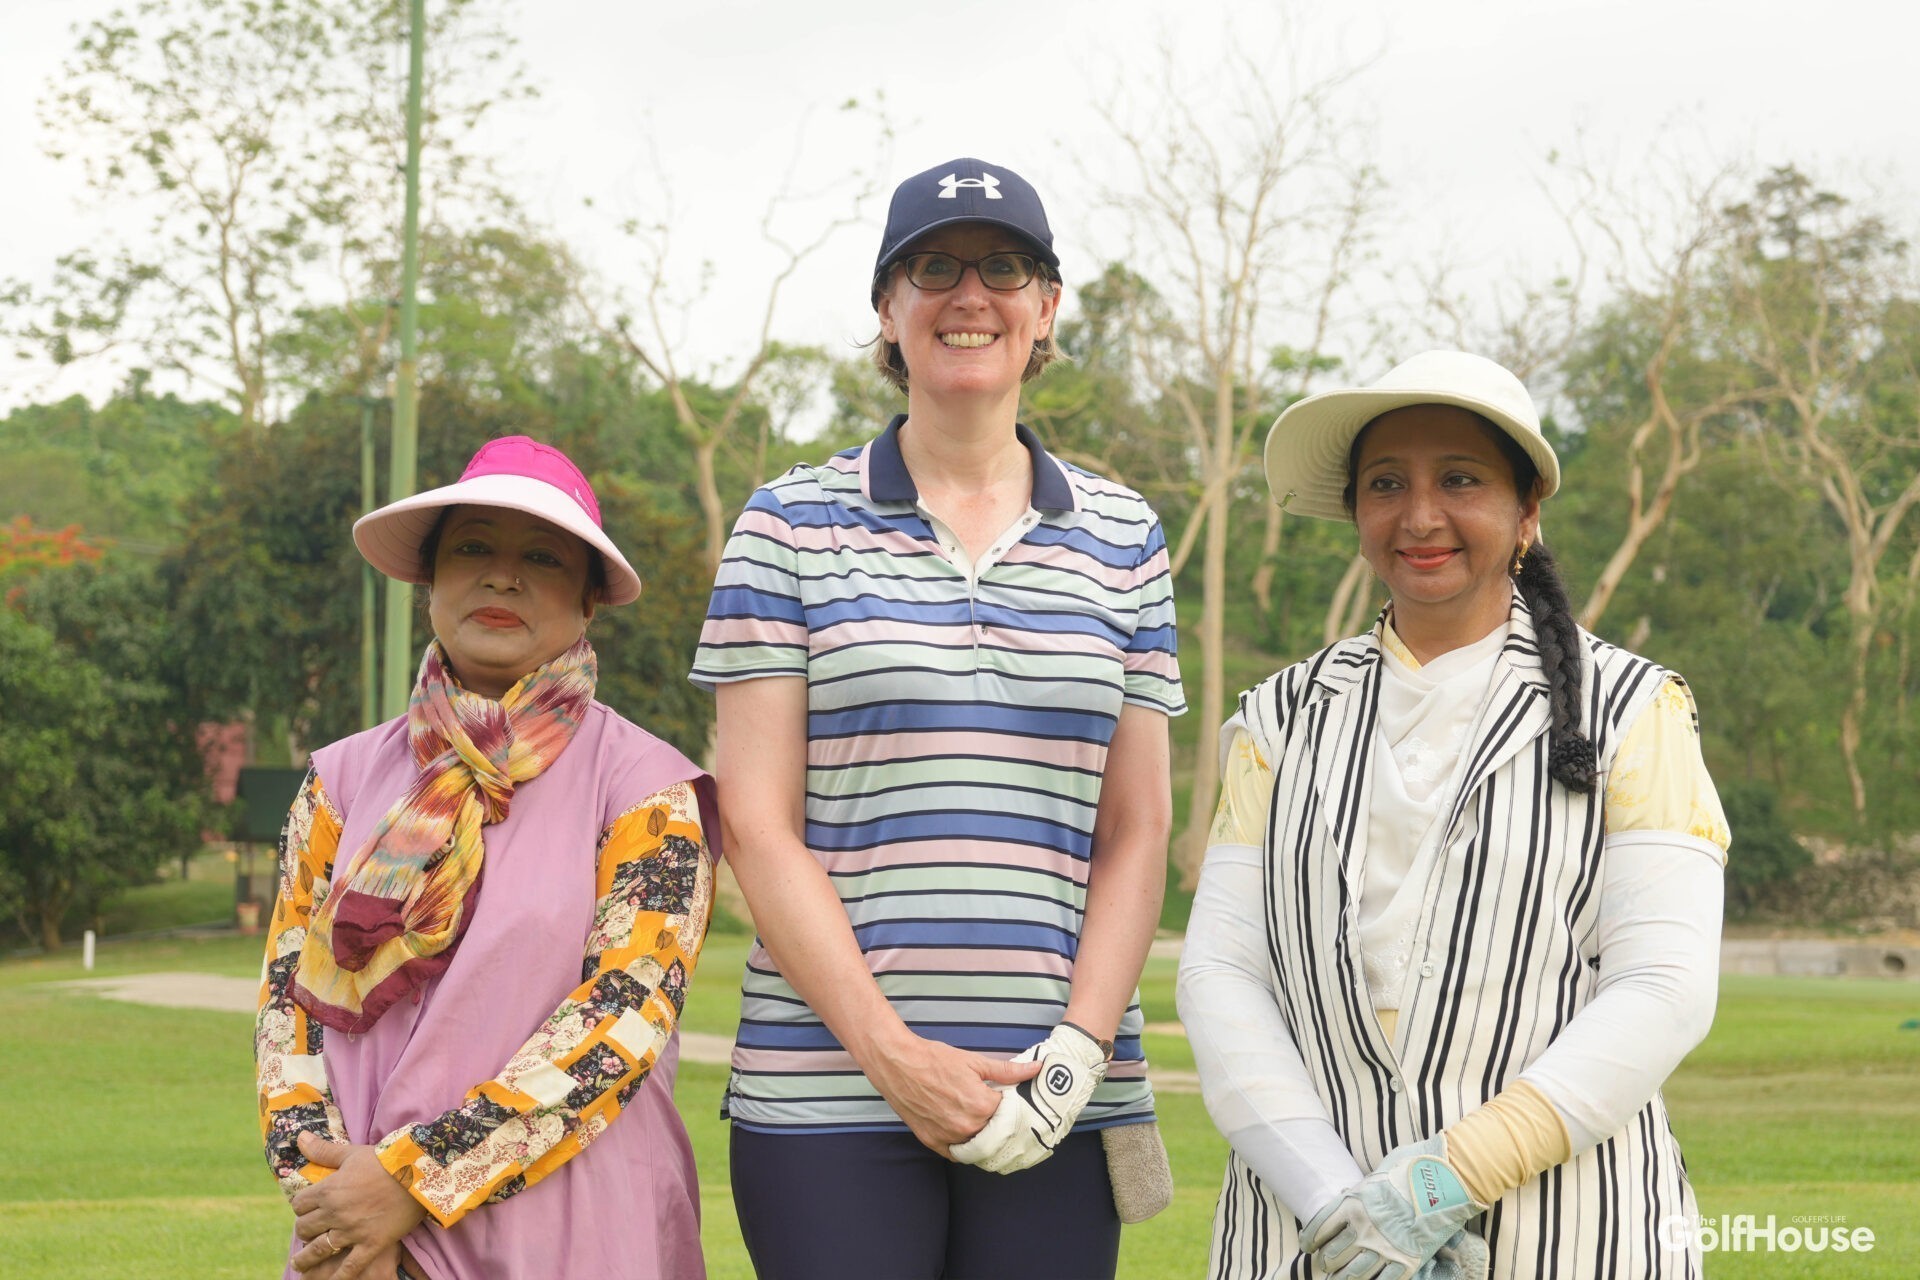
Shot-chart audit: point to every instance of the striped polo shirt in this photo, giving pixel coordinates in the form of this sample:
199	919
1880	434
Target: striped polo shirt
958	722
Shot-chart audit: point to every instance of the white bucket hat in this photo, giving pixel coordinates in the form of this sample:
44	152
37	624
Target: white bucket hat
1308	446
515	472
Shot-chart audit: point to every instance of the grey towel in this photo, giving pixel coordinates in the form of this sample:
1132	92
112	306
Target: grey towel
1137	1167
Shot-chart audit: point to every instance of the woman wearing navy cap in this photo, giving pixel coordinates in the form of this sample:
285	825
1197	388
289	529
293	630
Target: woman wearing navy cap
944	663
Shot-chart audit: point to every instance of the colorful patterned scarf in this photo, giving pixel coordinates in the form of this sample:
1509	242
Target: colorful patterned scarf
395	916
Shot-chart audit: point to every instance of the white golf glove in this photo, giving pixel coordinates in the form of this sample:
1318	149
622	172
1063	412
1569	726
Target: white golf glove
1464	1257
1389	1224
1034	1115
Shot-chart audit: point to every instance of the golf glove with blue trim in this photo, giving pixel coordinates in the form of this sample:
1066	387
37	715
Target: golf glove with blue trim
1464	1257
1392	1222
1034	1115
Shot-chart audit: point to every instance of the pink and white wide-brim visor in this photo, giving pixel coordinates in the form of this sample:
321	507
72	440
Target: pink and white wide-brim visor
392	537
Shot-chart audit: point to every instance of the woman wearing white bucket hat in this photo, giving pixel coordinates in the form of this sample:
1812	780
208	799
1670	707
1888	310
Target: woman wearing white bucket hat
1459	917
489	911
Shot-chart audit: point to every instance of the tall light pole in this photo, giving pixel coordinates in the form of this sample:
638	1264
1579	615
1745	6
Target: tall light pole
397	667
369	649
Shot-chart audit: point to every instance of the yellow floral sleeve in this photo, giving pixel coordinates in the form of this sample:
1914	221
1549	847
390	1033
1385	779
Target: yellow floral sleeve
1659	780
1246	793
290	1071
571	1079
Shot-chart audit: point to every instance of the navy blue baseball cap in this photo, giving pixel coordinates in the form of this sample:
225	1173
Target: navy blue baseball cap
964	190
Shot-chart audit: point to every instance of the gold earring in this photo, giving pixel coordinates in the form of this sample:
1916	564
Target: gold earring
1526	545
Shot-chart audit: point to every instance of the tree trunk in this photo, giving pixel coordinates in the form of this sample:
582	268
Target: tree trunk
1860	605
1904	670
1269	548
1341	609
709	490
50	926
1644	515
1192	846
1642	523
1642	628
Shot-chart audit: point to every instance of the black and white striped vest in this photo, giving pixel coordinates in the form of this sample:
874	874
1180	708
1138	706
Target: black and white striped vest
1504	957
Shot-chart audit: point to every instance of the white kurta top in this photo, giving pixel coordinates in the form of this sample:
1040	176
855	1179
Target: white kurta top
1426	715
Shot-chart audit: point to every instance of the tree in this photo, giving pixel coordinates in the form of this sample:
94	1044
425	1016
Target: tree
1643	375
1648	372
131	472
1248	206
26	551
259	140
52	705
105	781
1824	304
709	425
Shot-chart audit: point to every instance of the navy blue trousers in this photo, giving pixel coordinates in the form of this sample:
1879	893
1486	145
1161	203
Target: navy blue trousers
879	1206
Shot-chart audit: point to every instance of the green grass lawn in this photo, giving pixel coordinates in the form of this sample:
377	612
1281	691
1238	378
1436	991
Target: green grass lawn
130	1147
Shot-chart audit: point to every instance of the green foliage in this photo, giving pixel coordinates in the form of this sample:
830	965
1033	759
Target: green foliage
133	471
105	781
52	704
1768	854
254	142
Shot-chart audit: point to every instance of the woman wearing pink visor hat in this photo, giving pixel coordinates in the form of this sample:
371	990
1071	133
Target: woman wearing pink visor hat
488	914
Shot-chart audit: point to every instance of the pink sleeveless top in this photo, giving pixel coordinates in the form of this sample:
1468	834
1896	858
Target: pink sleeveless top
627	1207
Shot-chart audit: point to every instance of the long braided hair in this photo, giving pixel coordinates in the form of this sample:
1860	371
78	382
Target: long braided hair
1570	757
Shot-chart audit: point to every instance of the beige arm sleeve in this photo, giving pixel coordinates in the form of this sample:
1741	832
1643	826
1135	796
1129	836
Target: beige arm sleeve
1507	1141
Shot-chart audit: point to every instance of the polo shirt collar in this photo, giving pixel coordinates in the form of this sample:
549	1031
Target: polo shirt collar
884	476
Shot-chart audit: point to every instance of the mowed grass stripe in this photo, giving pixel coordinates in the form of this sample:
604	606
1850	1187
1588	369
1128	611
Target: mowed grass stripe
180	1204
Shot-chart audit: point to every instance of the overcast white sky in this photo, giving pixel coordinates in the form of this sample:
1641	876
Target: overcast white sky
1467	95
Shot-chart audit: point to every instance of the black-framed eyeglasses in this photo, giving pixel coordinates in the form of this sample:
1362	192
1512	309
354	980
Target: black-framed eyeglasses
937	272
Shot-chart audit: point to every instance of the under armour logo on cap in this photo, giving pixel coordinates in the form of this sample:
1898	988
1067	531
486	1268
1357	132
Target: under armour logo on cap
962	191
986	182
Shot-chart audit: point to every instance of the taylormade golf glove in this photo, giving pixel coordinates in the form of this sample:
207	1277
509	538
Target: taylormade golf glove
1034	1115
1386	1226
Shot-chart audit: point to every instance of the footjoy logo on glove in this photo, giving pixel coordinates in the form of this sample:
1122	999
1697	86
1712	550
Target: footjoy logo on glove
1059	1079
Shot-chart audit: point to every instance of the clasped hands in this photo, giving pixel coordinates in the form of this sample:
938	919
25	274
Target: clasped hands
352	1219
1036	1114
1403	1221
1002	1115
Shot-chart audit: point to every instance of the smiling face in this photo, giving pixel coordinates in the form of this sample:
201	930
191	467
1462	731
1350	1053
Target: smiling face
1439	516
509	594
968	341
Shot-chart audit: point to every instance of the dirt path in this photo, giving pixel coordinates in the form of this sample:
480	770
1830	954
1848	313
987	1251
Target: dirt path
238	995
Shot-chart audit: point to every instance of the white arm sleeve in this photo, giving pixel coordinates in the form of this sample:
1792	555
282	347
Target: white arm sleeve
1252	1077
1659	951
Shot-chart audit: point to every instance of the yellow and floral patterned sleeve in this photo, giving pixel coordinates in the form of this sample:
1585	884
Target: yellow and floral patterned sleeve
1246	793
1659	780
568	1082
290	1069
